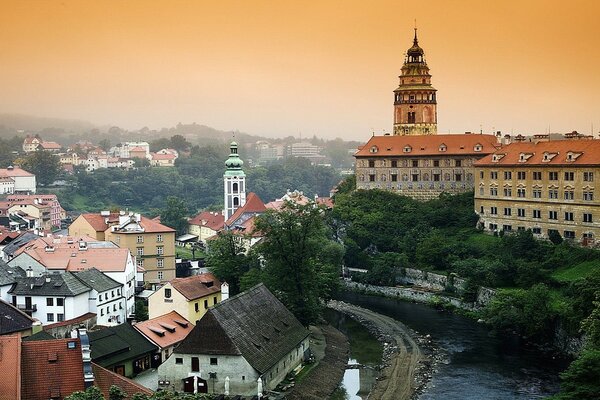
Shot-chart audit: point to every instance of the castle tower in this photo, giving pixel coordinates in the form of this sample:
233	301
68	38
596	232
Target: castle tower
415	105
234	181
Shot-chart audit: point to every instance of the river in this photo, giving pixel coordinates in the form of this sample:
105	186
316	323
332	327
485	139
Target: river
476	364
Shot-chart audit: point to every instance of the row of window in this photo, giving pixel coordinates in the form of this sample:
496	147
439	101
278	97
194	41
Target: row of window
112	294
160	250
538	231
415	177
60	302
59	317
140	238
108	309
160	263
197	305
537	175
415	163
195	364
537	214
586	195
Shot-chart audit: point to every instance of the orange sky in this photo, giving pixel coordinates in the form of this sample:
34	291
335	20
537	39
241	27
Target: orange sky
321	67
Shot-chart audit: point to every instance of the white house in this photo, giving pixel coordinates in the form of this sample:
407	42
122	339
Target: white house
106	297
247	337
24	181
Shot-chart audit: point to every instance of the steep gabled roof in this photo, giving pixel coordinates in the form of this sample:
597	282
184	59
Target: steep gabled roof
12	319
212	220
197	286
65	284
51	369
13	246
8	274
254	324
165	330
97	280
254	205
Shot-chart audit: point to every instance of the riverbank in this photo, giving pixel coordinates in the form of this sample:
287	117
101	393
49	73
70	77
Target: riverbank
408	359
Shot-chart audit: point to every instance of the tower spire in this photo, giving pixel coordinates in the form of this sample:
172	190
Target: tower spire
415	40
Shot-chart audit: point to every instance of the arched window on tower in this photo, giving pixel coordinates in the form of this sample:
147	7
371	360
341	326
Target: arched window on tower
411	117
236	201
235	188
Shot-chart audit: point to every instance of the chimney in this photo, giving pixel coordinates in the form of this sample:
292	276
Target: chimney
29	272
82	245
86	355
224	291
48	279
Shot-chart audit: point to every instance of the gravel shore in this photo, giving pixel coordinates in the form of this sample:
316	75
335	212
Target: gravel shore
408	359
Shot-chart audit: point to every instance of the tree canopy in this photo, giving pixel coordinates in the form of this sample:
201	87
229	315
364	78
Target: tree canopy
45	165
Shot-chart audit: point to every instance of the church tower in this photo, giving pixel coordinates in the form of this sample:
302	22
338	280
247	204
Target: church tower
234	182
415	105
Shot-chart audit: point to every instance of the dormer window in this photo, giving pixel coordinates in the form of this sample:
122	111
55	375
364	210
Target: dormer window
523	157
497	157
373	149
443	147
478	147
407	149
547	157
572	156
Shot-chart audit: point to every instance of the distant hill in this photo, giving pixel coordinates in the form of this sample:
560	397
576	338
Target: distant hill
12	123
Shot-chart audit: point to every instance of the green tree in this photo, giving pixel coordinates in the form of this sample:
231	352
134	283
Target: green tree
91	393
227	259
44	165
105	144
301	262
174	215
116	393
141	310
581	380
180	143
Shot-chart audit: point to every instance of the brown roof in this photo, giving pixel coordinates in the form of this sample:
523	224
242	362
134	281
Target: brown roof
194	287
583	152
73	321
166	330
50	369
168	156
212	220
97	222
50	145
253	205
16	171
104	379
10	359
427	145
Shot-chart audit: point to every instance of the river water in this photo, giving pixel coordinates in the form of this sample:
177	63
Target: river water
476	364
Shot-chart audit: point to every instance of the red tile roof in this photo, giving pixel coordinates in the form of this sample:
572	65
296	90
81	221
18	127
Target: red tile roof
253	205
16	171
427	145
97	222
194	287
166	330
10	359
212	220
104	379
49	369
583	152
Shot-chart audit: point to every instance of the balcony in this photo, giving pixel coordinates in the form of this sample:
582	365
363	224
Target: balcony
28	308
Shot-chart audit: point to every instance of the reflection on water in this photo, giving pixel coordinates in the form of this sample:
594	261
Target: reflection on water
478	366
365	353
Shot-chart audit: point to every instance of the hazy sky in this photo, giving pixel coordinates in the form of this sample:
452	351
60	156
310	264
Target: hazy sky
312	67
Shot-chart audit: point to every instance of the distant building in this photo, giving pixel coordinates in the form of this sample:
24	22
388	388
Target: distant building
544	186
191	297
41	201
206	224
303	149
163	158
24	182
421	166
35	143
234	181
415	104
152	243
249	336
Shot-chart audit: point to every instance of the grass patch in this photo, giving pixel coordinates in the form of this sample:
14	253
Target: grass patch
579	271
186	252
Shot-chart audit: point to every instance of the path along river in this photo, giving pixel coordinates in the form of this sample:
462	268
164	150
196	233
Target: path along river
475	365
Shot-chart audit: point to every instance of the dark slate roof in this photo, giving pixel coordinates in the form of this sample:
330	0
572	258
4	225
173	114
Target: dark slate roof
8	273
22	240
41	335
49	285
13	319
97	280
254	324
118	344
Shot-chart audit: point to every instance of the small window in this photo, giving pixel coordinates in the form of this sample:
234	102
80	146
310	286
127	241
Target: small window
140	239
178	360
159	238
195	364
394	164
49	301
205	304
50	317
458	163
215	300
213	361
196	307
60	317
167	293
415	163
371	163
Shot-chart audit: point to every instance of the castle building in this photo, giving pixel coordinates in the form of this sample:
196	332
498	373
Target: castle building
421	166
542	186
415	104
234	181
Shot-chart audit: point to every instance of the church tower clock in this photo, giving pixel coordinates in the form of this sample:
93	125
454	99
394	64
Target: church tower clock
415	104
234	181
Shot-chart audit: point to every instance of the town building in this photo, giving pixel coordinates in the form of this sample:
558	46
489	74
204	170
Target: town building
121	349
39	204
151	243
165	332
13	320
206	224
543	186
106	299
421	166
164	158
250	336
36	143
191	297
7	185
24	182
234	181
415	103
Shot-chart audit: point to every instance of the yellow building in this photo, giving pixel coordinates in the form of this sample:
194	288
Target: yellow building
206	224
152	243
421	166
541	186
191	297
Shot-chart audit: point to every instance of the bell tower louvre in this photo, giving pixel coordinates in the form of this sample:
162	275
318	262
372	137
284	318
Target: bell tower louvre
415	104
